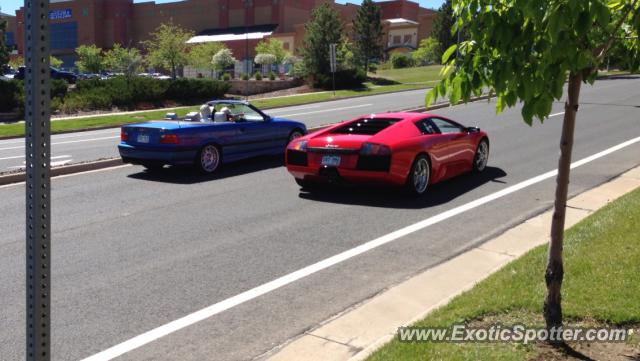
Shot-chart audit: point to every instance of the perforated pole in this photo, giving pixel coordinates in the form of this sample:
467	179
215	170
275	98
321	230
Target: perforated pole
38	220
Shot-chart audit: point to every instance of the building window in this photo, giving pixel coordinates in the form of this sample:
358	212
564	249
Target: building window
9	39
396	39
64	35
407	39
285	45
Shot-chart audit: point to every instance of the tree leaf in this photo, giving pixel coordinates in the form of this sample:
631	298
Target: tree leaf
447	54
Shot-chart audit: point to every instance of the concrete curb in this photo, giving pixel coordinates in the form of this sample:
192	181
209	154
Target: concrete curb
64	170
358	332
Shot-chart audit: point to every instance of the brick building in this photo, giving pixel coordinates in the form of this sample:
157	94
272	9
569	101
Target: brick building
107	22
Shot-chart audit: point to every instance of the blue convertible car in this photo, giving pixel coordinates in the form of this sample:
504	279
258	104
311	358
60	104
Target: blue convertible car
223	131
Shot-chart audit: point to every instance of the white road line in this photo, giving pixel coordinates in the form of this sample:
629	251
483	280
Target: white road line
328	110
73	174
22	156
268	111
553	115
258	291
68	142
63	136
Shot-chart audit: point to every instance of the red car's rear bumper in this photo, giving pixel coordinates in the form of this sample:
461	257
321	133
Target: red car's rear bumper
352	169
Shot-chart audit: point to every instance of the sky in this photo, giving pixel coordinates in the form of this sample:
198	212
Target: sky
10	6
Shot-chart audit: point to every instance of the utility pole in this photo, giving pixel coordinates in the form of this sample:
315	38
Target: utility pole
247	5
38	182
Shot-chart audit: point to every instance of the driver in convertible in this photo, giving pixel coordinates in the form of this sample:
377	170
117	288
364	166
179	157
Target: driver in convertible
227	112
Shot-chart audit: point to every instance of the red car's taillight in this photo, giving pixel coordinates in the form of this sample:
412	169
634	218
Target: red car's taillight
374	149
124	136
299	145
169	139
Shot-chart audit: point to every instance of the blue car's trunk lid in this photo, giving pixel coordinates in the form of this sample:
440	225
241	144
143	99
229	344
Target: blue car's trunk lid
148	133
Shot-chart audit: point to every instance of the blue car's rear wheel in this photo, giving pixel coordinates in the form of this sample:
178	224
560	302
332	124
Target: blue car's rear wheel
209	159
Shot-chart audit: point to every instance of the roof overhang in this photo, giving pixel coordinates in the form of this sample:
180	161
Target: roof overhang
401	21
227	37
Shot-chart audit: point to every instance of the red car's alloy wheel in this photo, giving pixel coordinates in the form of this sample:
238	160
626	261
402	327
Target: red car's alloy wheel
418	180
482	156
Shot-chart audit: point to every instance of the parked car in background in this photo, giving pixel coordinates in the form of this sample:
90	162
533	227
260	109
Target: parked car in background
69	77
412	150
223	131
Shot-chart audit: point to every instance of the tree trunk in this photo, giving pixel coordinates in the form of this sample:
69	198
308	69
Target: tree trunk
555	270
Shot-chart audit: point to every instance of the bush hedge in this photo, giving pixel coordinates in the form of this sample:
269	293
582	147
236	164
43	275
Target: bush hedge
11	96
399	60
345	79
127	93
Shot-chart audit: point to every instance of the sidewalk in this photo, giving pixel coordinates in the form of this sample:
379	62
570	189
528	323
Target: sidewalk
356	333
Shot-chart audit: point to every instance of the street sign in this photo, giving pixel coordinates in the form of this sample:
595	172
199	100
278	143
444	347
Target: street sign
332	57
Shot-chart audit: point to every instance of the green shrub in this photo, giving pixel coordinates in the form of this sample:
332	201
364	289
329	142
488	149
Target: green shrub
11	96
384	66
399	60
127	93
58	88
244	76
226	77
272	75
258	75
345	79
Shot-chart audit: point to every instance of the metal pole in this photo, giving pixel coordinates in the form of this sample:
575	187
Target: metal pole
247	4
38	191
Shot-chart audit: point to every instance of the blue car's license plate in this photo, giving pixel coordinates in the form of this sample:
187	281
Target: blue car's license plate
143	138
331	160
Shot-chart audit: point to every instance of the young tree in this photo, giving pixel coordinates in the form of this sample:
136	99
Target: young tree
427	53
167	48
201	54
122	60
524	51
223	59
442	27
16	62
367	33
90	59
55	62
265	59
4	50
274	47
323	29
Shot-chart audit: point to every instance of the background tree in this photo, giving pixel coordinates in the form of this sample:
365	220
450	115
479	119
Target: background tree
367	33
427	53
274	47
524	51
442	27
16	62
4	50
55	62
223	59
90	59
323	29
265	59
124	61
201	55
167	48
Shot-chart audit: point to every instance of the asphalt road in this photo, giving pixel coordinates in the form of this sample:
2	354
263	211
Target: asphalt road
100	144
133	251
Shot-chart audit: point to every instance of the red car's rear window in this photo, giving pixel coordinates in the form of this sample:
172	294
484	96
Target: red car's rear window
366	126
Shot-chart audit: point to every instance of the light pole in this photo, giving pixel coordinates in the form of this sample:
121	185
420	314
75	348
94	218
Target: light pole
247	5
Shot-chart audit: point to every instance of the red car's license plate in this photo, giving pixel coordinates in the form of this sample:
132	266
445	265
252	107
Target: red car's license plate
331	160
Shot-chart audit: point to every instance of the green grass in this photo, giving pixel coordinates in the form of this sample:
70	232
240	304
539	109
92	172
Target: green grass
602	263
17	129
421	75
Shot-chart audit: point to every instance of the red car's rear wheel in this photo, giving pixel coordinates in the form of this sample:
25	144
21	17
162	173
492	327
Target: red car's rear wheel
419	176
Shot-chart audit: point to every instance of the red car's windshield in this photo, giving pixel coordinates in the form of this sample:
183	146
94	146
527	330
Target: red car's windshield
366	126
